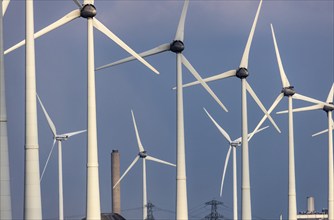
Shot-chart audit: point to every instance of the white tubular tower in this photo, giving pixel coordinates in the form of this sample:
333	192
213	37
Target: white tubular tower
32	189
5	195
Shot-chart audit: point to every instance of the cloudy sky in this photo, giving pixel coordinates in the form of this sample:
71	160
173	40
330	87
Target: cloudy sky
215	36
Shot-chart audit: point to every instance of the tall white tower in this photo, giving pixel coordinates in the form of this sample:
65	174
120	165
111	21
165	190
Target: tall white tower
5	196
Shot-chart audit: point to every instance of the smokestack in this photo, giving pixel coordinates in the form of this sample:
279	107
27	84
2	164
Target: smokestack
115	175
310	204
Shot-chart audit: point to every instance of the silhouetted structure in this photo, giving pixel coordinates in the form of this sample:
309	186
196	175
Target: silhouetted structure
150	207
214	215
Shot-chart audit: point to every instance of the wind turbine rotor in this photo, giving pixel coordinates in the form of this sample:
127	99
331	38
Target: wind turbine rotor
88	11
327	108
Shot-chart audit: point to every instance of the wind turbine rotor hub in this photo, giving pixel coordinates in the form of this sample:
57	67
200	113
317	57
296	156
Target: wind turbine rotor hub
142	154
177	46
328	108
242	73
288	91
88	11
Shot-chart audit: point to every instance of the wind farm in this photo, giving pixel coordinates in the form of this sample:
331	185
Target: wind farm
215	36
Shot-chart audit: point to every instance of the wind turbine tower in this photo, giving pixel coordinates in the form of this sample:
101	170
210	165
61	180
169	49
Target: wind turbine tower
32	187
5	195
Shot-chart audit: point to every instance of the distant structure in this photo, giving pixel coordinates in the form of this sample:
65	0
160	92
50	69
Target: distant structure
115	175
214	215
150	207
311	214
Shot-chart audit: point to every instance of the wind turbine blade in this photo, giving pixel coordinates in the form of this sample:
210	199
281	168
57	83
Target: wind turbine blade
285	81
159	161
51	125
127	170
78	3
225	166
255	131
64	20
330	95
219	128
321	132
224	75
74	133
5	4
244	60
259	103
308	108
156	50
308	99
140	146
199	78
47	161
98	25
275	103
180	29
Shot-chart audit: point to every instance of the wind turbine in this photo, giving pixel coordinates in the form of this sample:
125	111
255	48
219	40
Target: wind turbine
5	195
289	91
57	138
328	110
87	11
233	145
144	156
242	73
177	47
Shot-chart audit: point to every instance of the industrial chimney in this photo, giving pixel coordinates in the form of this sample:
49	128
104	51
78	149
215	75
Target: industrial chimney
310	204
115	175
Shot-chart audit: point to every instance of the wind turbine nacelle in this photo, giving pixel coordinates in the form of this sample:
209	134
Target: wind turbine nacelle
62	137
88	11
328	108
288	91
142	154
242	73
177	46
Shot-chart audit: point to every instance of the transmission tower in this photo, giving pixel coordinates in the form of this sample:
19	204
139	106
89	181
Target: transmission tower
214	215
150	207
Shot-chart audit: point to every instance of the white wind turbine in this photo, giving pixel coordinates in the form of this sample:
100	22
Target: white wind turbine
177	46
57	138
242	73
289	91
328	110
5	194
233	145
87	11
144	156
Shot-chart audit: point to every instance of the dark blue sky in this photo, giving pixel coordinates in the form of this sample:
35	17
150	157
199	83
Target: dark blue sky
215	36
